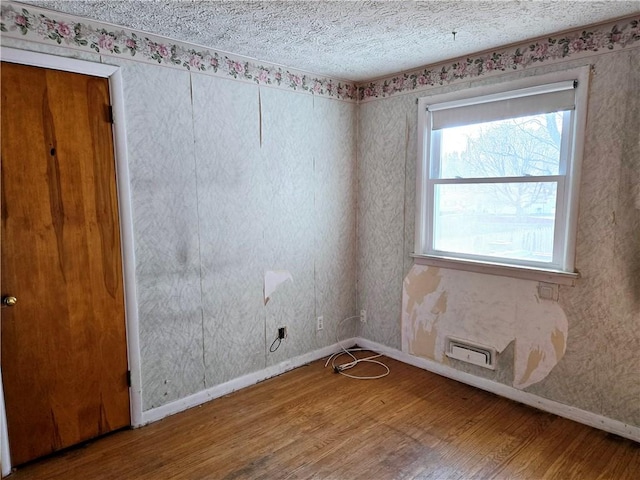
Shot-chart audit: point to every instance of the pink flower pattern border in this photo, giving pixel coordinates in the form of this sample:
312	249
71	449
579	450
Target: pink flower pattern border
122	43
603	38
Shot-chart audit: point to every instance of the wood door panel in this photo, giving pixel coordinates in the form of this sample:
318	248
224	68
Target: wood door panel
63	344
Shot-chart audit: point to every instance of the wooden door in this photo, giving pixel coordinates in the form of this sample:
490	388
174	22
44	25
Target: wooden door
64	362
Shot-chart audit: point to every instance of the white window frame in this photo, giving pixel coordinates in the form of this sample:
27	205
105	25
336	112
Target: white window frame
562	268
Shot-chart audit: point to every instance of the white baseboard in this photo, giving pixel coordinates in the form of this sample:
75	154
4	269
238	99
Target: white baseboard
572	413
237	383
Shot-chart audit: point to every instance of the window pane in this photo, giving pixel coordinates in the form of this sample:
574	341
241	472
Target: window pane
508	220
516	147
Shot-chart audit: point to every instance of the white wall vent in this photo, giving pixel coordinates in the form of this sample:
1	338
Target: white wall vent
471	353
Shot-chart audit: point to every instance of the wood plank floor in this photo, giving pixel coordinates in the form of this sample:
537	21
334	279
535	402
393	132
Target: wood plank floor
312	423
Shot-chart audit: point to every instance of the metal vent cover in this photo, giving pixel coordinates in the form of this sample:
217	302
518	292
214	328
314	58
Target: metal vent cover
470	352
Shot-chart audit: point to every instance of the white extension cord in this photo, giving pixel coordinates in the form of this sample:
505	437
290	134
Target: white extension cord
340	368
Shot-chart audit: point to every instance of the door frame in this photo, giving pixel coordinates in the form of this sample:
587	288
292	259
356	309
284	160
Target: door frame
114	75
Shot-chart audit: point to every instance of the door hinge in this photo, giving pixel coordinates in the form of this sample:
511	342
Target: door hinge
128	378
110	114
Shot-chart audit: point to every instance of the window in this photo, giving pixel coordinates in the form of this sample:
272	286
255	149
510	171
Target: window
498	172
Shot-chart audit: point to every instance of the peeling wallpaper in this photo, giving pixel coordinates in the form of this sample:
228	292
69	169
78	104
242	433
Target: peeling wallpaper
486	310
594	323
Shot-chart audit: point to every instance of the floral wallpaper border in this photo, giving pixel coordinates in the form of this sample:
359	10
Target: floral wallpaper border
578	43
41	26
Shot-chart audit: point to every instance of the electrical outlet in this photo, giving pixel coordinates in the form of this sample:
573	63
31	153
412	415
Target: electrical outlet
282	333
363	316
320	323
548	291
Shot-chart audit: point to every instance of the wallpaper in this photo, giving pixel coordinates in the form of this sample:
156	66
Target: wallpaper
603	310
167	244
382	156
257	191
335	184
230	189
288	150
586	341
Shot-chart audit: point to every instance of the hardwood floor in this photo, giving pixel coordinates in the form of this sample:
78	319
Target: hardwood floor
312	423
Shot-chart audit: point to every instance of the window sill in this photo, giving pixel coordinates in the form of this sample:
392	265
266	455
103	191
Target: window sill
526	273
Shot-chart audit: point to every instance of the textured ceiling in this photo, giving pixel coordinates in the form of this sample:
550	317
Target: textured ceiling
353	40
